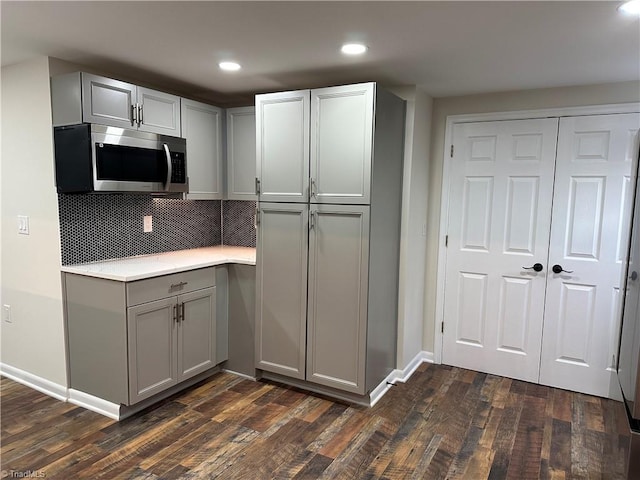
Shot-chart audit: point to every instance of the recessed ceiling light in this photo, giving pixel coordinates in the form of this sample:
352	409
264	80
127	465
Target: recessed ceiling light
229	66
353	48
631	7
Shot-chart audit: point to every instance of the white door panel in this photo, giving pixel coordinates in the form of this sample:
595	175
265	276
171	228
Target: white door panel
587	237
500	204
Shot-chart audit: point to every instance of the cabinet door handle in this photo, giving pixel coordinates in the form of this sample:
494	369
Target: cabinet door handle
181	315
134	114
175	313
312	219
256	219
313	187
140	114
257	186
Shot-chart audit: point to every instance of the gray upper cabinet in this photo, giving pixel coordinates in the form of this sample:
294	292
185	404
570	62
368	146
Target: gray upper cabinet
82	97
107	101
341	143
338	292
241	153
202	127
282	146
281	288
158	112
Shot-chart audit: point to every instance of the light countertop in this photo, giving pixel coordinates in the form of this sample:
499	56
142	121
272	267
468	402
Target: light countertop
147	266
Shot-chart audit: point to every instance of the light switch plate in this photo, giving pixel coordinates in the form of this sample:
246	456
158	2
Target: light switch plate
23	225
148	223
6	313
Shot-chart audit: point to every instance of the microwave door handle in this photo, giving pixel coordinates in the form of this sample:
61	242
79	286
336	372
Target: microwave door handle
167	153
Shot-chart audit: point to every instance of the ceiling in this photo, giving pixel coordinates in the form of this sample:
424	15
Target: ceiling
447	48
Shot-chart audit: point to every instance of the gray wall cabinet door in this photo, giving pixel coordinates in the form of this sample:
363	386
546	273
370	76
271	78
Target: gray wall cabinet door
152	329
282	146
107	101
160	112
341	143
281	288
338	286
202	128
241	153
197	332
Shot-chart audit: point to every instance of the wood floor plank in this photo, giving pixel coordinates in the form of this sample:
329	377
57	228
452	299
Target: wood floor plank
444	422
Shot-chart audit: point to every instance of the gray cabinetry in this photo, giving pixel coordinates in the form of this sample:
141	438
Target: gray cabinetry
202	126
348	332
241	153
282	146
281	288
341	143
105	101
81	97
338	288
131	340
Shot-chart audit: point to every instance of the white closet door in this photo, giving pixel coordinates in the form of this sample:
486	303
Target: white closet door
587	235
499	208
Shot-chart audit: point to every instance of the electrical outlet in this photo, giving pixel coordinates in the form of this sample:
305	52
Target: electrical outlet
148	223
6	313
23	225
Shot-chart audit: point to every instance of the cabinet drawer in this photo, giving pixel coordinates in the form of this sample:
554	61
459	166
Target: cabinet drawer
150	289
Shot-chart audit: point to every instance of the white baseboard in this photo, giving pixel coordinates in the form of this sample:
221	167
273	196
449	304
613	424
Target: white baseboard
378	392
30	380
95	404
238	374
400	375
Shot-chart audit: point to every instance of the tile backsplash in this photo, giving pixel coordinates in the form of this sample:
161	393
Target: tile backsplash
103	226
237	223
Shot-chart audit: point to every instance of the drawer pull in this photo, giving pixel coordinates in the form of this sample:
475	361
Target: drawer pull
177	285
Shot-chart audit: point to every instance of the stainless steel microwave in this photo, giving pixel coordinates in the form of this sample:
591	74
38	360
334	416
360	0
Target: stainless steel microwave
97	158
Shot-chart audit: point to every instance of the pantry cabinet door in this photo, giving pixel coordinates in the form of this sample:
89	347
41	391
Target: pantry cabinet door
281	288
338	288
282	146
341	143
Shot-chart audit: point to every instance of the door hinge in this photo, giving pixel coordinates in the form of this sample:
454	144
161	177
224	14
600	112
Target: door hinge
451	153
442	327
446	241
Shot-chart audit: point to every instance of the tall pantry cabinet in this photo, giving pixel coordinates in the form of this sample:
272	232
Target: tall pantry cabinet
329	182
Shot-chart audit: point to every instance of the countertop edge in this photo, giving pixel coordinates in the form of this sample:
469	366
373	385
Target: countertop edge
157	271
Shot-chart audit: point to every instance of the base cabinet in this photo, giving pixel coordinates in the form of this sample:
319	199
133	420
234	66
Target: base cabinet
131	340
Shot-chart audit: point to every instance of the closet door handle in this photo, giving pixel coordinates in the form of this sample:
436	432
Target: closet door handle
536	266
558	269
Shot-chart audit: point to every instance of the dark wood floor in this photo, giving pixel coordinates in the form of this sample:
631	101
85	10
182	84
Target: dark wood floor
443	423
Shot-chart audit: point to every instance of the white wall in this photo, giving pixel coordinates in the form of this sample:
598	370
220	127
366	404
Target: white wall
495	102
414	218
30	271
